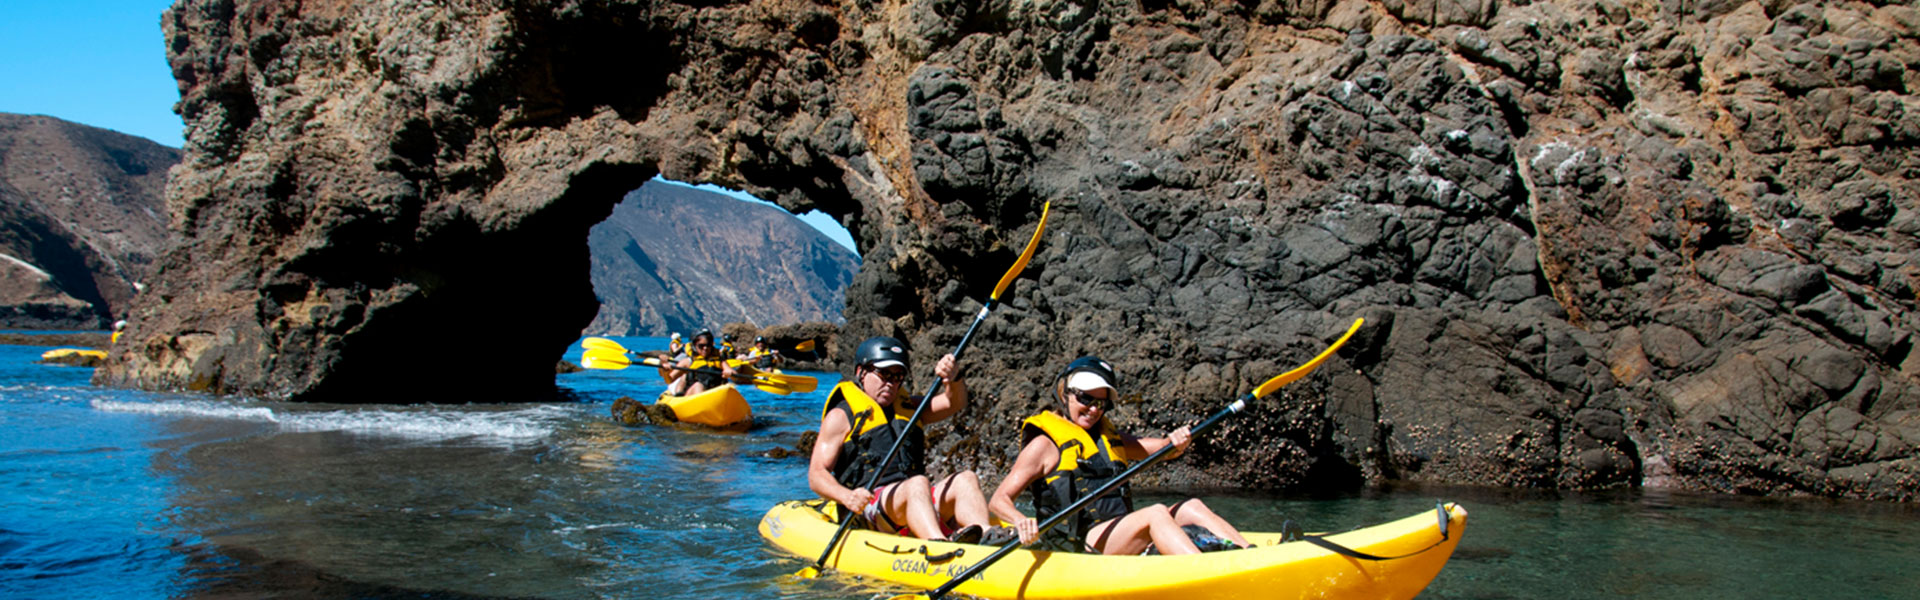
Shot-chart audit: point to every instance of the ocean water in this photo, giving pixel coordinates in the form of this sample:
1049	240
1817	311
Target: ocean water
121	494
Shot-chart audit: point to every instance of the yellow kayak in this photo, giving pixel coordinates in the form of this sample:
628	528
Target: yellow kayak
718	407
66	352
1271	570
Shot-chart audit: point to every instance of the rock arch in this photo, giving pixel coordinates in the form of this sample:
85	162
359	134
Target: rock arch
1690	267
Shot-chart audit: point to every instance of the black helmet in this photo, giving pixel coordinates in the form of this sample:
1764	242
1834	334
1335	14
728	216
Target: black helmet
757	339
882	352
1100	374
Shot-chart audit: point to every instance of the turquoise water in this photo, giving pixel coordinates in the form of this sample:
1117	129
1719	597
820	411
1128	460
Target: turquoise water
119	494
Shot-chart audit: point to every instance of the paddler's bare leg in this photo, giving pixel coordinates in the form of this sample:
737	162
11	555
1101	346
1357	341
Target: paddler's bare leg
1194	512
960	497
1130	534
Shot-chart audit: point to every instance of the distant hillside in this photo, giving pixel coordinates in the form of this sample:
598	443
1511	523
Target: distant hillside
675	258
82	216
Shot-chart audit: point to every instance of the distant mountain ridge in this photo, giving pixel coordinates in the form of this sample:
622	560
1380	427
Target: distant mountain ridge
82	218
673	258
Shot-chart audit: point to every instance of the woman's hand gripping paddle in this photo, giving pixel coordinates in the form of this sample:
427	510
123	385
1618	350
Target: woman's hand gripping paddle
992	300
1265	388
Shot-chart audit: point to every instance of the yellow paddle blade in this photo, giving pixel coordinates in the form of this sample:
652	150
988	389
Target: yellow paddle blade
1025	255
771	388
602	358
808	573
1302	370
806	346
799	383
603	344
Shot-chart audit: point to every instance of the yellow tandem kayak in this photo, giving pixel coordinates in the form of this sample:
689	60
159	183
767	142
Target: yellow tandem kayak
718	407
1271	570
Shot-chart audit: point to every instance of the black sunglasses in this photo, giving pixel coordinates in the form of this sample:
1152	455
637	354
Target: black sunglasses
893	377
1104	404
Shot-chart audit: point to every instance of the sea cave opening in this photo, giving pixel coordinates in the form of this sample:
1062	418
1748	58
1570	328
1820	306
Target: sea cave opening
674	257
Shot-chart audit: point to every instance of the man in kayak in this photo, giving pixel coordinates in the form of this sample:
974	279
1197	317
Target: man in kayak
760	355
861	420
701	354
675	346
1071	451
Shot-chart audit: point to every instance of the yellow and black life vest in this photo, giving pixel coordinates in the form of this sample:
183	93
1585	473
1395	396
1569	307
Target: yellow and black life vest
761	359
1086	463
707	380
872	431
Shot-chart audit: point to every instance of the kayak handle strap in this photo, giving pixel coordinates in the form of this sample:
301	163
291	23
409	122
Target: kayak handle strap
922	550
1291	532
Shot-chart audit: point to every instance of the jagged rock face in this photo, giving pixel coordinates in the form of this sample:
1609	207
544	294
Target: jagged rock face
80	221
673	258
1597	243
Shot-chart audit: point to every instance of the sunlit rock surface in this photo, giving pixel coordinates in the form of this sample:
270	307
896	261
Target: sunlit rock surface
1598	243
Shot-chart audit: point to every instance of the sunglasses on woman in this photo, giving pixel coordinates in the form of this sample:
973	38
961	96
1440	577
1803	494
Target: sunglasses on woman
1091	401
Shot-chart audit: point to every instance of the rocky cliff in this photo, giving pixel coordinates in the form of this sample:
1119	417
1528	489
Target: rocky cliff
675	258
81	220
1599	243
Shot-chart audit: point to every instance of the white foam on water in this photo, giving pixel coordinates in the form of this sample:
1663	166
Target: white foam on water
431	424
426	424
188	408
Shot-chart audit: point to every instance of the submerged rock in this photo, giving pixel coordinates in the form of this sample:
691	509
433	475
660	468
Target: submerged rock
628	411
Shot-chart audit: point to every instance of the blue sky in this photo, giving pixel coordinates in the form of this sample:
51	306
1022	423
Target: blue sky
98	62
104	63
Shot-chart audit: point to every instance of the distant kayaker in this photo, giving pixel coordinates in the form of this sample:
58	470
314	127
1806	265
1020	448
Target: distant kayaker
726	345
861	420
675	346
1079	431
760	355
701	355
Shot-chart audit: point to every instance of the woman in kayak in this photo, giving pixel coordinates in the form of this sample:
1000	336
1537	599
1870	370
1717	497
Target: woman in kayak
1069	453
861	420
684	382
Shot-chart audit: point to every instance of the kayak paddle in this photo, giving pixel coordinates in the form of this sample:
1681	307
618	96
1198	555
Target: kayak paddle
611	349
604	359
1231	409
992	300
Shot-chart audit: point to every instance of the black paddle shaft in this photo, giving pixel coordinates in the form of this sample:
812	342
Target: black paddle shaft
911	421
1057	517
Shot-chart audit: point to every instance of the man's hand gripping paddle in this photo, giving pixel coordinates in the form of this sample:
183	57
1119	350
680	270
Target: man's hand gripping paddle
1006	281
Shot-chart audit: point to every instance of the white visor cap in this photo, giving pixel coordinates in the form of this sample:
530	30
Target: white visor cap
1085	381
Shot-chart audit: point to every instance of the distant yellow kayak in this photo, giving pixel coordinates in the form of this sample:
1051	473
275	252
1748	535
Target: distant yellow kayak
1271	570
59	353
718	407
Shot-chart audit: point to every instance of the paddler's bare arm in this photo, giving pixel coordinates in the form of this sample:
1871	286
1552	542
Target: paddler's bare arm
953	397
1036	459
826	449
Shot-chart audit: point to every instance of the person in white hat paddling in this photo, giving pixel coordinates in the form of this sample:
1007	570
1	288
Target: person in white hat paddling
1072	450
